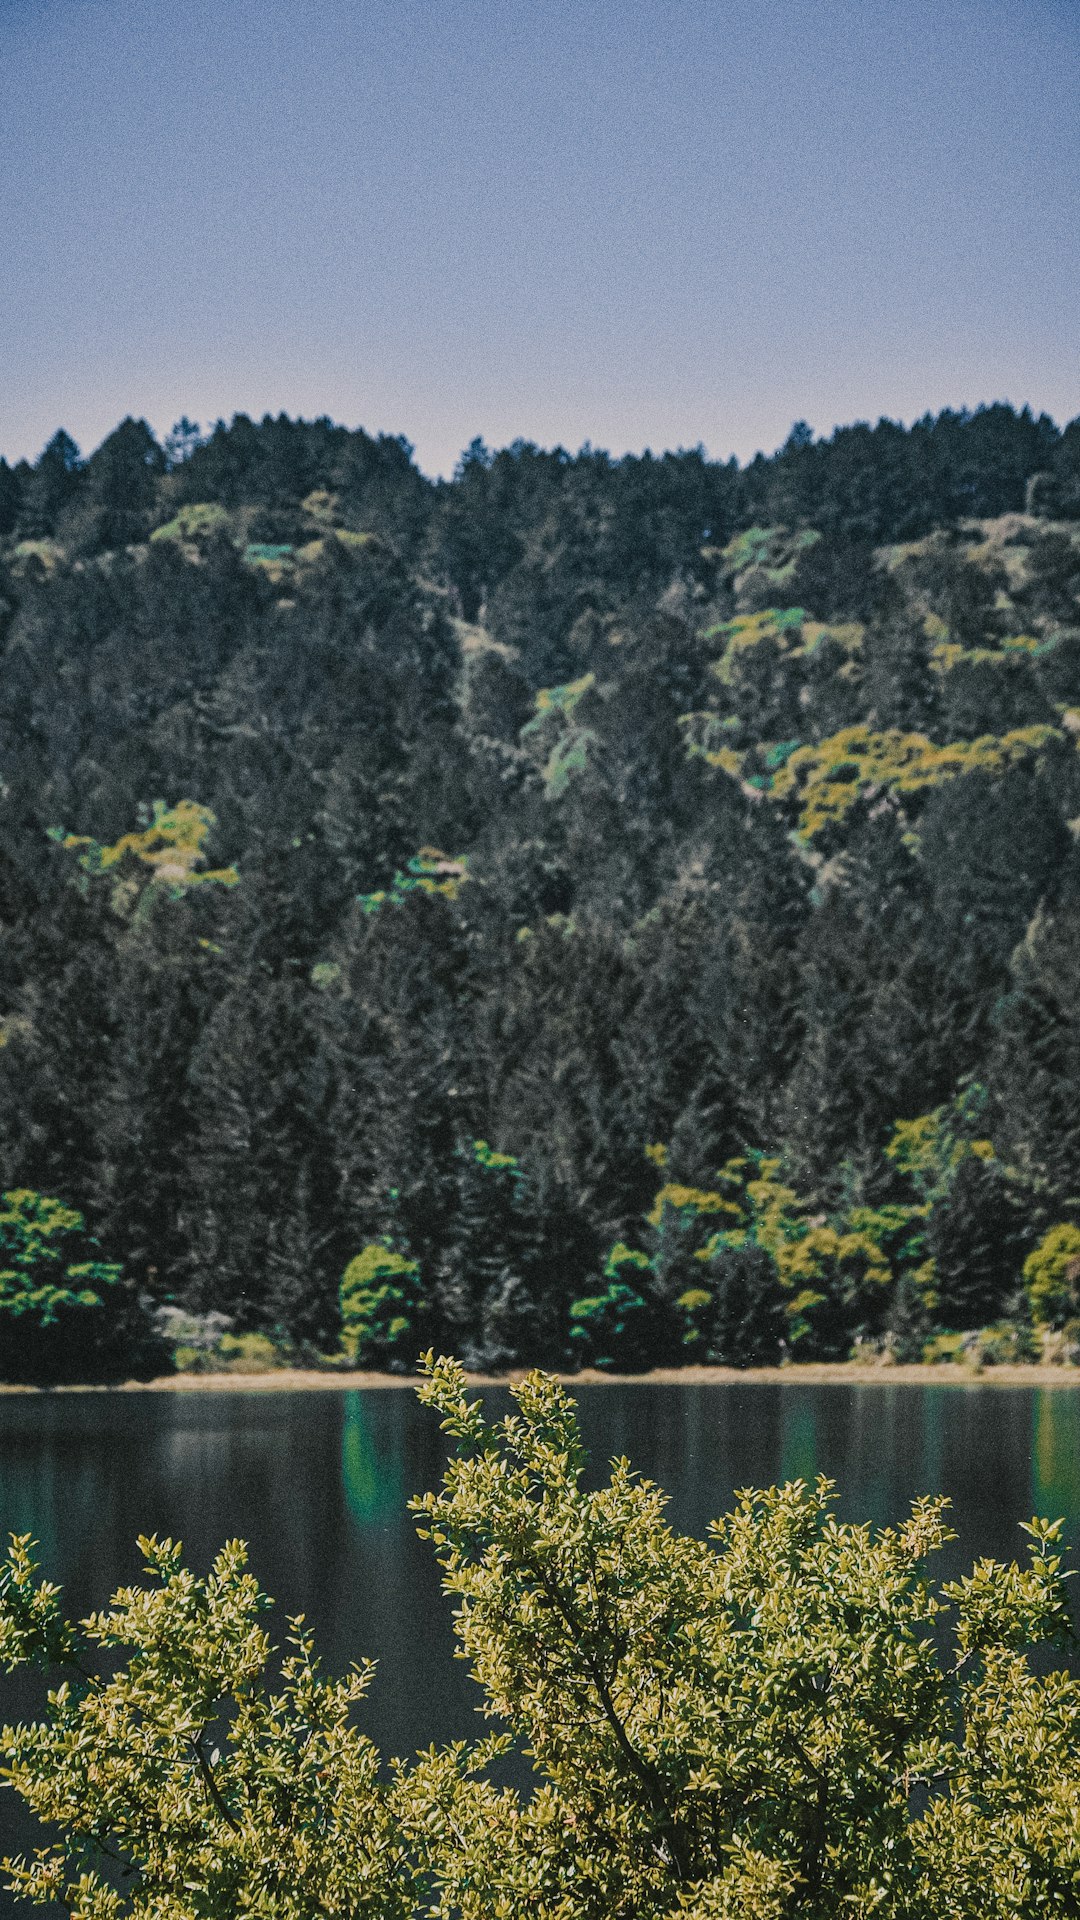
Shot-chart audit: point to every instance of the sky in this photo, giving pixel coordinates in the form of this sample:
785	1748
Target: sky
631	222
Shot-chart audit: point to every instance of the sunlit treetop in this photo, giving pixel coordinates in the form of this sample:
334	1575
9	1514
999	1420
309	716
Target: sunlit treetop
429	871
792	632
560	733
171	846
827	780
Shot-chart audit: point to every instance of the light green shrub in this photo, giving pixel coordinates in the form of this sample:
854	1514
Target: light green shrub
1052	1277
381	1305
249	1353
196	521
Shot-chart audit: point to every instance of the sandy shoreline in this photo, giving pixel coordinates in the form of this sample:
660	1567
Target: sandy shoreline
799	1374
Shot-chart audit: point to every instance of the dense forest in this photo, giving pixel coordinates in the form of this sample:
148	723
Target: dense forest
590	910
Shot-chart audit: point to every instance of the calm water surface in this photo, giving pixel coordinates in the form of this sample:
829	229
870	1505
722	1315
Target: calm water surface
317	1482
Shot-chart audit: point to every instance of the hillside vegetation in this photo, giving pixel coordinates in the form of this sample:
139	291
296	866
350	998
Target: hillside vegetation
587	910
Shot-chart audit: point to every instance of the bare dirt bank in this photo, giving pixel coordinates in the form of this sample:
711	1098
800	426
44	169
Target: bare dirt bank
809	1373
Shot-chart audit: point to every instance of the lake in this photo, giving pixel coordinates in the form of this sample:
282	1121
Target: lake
318	1482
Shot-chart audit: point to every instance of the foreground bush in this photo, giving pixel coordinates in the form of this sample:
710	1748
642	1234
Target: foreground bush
788	1719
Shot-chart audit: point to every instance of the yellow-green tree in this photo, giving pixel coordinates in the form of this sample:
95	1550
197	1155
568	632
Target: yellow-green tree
1052	1277
382	1306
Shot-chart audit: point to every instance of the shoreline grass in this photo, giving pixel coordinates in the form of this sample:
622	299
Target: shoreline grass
842	1373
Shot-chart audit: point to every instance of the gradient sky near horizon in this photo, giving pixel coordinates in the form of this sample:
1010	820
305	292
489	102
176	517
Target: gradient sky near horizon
634	222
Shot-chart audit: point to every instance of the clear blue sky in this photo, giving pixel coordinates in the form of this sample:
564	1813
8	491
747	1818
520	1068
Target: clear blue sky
638	222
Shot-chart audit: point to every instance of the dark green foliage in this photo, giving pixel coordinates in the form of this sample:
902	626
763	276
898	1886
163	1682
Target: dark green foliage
65	1313
11	489
118	491
49	488
495	1270
1036	1059
574	806
976	1239
617	1327
740	1322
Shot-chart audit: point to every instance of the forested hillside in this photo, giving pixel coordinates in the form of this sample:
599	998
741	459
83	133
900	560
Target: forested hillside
613	910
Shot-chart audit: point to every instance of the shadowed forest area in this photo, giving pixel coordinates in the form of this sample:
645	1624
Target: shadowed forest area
590	910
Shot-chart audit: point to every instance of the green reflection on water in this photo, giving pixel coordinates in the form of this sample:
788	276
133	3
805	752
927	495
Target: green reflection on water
799	1437
30	1509
371	1476
932	1427
1055	1456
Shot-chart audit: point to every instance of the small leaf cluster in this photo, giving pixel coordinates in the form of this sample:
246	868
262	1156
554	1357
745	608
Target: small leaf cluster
170	843
429	871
